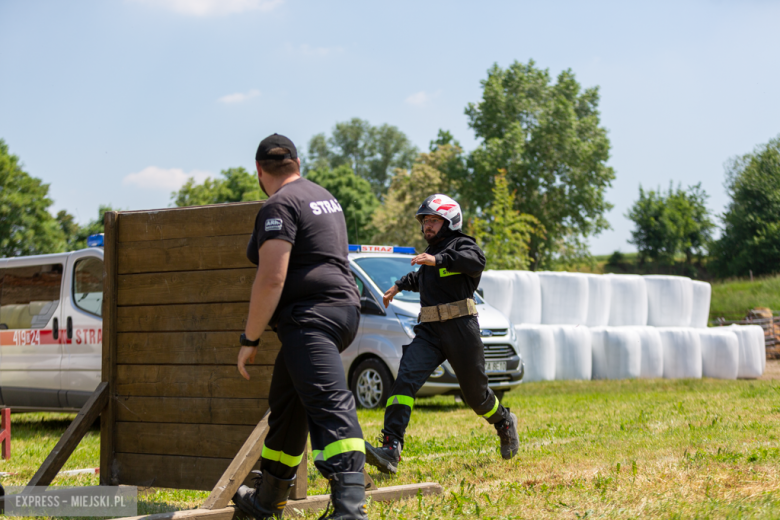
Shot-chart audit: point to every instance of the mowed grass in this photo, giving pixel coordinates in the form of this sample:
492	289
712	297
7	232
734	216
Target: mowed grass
732	299
596	449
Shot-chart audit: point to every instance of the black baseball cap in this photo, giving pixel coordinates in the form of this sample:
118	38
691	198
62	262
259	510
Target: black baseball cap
275	141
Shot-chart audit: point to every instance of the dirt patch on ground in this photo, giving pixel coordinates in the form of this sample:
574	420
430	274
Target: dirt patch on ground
772	370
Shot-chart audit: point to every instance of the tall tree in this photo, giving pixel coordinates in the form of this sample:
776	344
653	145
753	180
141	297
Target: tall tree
236	185
751	225
504	233
548	138
75	235
665	225
355	197
373	152
26	226
394	220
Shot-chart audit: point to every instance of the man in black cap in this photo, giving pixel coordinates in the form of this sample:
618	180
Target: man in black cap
305	290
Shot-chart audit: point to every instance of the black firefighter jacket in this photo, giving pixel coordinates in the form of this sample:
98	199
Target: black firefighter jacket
455	277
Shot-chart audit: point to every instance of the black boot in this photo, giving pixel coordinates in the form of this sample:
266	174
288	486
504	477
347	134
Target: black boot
347	496
507	432
267	499
386	458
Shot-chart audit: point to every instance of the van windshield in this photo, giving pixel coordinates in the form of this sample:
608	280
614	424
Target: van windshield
385	271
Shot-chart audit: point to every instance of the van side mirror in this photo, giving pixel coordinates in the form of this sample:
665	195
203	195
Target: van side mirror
369	305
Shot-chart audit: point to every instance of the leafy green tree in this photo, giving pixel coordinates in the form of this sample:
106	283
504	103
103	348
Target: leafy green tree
394	220
354	196
751	225
236	185
373	152
26	226
503	232
665	225
548	138
75	235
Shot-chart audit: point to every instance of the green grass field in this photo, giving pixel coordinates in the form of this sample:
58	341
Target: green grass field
733	298
597	449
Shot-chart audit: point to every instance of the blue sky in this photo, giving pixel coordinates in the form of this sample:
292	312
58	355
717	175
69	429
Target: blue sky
119	101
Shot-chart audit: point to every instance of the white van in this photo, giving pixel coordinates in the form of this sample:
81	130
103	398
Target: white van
51	330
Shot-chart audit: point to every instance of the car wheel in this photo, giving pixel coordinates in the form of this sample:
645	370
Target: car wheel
371	383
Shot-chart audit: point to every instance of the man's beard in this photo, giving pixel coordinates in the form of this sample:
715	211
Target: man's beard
436	237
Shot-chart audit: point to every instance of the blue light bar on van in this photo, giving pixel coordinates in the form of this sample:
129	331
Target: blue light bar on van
353	248
95	240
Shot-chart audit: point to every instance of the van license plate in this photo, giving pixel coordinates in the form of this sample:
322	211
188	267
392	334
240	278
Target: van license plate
495	366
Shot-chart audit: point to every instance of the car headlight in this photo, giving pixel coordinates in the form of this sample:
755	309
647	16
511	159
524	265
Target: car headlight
408	323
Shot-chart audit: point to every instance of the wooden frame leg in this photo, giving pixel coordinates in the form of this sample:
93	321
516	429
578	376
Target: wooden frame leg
5	432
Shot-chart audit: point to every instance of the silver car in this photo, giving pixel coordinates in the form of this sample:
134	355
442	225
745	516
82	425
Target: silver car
371	362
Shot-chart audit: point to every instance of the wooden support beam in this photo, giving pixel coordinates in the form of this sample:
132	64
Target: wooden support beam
370	485
71	438
313	502
108	372
238	470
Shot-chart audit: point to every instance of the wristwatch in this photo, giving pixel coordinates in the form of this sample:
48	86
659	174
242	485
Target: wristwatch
249	343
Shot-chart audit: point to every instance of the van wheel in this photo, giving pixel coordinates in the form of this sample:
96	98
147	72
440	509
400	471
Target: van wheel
371	383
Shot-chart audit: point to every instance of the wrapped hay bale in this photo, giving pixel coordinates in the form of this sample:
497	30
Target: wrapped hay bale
617	352
497	289
700	307
537	348
628	303
719	353
669	300
526	298
652	364
752	350
573	355
681	352
564	298
599	298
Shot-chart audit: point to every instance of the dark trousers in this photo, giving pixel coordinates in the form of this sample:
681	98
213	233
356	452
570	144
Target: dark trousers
458	342
309	394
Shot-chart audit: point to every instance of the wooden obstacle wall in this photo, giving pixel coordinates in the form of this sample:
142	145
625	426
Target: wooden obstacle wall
177	293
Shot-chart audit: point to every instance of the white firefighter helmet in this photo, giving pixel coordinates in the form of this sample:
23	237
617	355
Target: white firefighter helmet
444	207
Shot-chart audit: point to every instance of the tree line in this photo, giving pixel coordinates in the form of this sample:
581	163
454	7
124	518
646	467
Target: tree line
532	191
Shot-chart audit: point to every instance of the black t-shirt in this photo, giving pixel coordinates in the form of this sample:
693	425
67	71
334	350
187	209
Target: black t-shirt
309	217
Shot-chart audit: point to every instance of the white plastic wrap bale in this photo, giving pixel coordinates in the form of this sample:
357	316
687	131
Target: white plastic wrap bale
599	298
537	348
700	309
564	298
669	300
719	353
617	352
526	298
628	304
682	352
497	289
573	354
652	364
752	350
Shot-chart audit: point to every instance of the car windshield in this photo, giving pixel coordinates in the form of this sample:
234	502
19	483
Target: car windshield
385	271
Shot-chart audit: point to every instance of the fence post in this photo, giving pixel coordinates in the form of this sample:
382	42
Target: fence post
5	432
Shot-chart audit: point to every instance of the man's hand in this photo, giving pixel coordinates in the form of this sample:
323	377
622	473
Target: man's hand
389	295
424	259
246	354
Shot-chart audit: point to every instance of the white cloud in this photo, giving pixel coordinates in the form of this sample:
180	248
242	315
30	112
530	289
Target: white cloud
156	178
238	97
422	98
213	7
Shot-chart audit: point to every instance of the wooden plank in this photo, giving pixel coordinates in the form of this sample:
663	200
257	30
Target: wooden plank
239	467
192	410
194	440
196	221
190	348
184	318
72	437
193	381
184	254
300	489
311	503
171	471
225	285
108	372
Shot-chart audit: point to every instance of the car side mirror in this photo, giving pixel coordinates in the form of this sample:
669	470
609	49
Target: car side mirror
369	305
